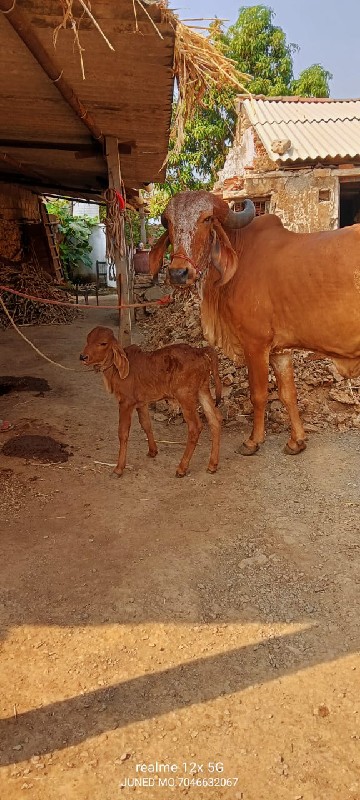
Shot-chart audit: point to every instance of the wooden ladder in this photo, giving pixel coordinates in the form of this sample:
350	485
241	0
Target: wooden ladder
49	221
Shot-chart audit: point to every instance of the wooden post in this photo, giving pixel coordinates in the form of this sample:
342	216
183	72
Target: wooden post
122	275
142	225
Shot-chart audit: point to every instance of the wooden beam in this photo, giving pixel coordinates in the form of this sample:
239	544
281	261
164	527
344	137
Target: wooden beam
20	166
81	149
25	144
121	266
75	193
125	148
22	26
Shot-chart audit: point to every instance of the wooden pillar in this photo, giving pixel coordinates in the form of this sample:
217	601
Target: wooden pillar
142	225
121	266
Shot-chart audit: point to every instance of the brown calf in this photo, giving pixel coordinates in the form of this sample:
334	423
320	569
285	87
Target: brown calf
178	372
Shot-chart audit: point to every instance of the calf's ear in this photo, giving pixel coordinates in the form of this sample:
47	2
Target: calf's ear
223	255
120	360
157	253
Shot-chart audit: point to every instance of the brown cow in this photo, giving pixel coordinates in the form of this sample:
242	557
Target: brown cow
265	291
178	372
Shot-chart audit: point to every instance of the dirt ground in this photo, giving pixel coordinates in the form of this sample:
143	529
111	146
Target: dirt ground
203	631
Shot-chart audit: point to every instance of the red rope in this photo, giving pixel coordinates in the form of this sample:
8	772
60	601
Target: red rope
163	301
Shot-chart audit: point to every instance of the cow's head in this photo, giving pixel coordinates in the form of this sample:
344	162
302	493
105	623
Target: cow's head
197	226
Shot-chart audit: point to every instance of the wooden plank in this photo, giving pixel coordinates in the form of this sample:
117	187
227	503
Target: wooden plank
20	22
122	274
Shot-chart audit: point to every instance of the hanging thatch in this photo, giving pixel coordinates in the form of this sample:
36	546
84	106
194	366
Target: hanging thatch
198	65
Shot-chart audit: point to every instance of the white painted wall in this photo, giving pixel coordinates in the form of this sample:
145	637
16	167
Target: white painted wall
85	210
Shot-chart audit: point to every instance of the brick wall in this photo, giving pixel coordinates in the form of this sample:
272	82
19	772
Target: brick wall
17	205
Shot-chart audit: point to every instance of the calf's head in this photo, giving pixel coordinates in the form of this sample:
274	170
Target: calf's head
103	351
197	227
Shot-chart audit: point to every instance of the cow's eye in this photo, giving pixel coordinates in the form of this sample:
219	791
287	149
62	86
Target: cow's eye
103	344
208	219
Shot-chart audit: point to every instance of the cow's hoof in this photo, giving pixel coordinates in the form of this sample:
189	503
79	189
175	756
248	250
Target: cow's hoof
212	469
245	450
116	474
180	473
291	450
152	453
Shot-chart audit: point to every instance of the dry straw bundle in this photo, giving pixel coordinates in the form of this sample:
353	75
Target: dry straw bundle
198	67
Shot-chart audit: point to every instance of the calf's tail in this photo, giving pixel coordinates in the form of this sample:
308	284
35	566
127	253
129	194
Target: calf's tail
214	367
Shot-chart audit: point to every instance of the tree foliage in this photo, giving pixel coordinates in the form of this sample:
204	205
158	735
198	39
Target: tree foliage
312	82
259	48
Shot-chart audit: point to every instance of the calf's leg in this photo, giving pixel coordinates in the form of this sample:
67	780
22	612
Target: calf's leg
145	422
214	418
257	360
284	374
125	413
191	416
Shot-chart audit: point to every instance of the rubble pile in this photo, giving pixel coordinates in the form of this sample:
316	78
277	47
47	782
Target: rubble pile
325	399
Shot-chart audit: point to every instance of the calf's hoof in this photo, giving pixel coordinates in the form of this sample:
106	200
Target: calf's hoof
248	450
294	449
212	468
180	473
117	473
152	453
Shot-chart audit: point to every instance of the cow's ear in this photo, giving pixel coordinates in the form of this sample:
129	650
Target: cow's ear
223	255
157	253
120	360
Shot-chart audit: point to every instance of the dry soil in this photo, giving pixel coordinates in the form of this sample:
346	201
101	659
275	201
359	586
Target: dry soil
205	628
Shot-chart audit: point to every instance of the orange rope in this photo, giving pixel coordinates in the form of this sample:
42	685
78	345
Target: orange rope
163	301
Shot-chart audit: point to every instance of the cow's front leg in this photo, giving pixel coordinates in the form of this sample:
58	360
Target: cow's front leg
258	370
125	412
284	374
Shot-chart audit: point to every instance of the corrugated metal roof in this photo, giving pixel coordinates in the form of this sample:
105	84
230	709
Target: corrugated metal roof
324	129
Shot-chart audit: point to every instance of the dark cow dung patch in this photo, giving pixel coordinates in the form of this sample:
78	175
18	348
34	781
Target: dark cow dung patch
42	448
25	383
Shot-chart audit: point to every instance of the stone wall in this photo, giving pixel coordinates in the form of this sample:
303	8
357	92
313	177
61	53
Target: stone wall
305	198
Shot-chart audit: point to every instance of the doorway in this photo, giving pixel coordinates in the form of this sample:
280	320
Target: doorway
349	203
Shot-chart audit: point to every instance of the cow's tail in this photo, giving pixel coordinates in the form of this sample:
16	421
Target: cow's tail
214	367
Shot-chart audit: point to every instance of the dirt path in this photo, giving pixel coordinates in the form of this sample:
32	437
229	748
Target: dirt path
209	620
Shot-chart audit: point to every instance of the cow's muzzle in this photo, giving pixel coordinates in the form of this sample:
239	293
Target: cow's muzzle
182	271
179	277
83	357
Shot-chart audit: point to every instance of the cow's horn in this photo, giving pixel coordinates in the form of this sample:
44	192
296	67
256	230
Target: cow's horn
238	219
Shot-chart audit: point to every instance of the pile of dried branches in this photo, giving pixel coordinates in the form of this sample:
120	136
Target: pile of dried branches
325	399
29	279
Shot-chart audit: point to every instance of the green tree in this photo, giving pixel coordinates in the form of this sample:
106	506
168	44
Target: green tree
259	48
312	82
